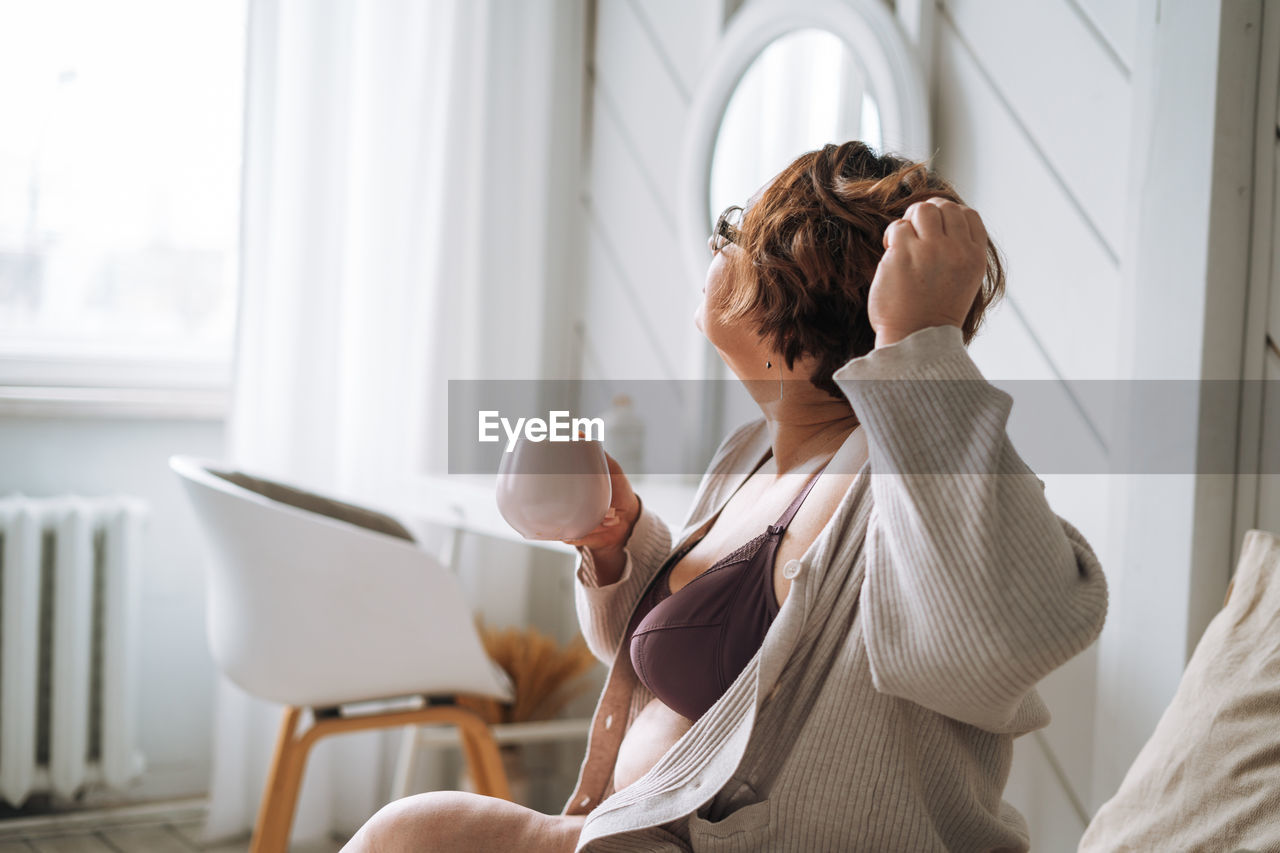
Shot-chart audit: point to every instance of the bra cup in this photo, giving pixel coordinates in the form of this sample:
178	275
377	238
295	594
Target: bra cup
683	679
705	634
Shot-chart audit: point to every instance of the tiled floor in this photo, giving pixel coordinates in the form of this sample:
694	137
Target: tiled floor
174	831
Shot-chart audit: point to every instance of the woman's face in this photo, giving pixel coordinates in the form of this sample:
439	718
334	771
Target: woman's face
737	342
716	285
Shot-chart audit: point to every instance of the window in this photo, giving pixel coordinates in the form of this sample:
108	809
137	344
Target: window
119	190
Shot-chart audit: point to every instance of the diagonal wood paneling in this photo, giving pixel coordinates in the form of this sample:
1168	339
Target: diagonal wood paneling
639	299
1033	789
1067	94
684	42
617	306
627	210
1064	281
633	77
620	180
1116	22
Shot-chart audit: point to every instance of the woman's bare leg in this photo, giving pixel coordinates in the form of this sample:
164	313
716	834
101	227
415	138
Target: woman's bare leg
459	822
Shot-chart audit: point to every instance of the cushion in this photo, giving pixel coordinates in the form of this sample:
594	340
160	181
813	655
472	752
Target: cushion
1209	777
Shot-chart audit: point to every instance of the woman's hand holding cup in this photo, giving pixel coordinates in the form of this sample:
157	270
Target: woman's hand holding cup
609	539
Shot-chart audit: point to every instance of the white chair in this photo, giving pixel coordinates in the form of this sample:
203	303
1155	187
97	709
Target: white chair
316	604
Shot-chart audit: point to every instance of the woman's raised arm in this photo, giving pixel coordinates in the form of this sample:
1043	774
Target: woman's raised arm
975	589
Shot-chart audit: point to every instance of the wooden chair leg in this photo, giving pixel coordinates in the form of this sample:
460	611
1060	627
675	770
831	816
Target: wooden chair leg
484	761
477	772
280	799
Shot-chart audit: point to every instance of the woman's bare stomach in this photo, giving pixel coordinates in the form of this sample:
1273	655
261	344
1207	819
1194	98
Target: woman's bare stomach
654	731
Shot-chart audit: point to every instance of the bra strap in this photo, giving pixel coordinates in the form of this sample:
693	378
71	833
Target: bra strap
790	513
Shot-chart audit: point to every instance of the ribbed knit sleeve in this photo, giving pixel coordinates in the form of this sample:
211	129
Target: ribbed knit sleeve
603	610
974	589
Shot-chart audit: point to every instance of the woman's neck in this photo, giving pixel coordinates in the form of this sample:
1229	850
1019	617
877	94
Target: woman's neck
805	427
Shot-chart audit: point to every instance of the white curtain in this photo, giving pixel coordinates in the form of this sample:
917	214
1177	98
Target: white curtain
409	164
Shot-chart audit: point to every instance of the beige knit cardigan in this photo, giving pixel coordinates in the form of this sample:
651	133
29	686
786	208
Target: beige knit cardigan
880	712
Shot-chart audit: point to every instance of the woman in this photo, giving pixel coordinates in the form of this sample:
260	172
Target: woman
853	676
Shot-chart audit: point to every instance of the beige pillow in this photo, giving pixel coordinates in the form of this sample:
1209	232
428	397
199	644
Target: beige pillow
1209	777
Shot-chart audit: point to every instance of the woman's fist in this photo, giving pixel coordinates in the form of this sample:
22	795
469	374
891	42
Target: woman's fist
934	260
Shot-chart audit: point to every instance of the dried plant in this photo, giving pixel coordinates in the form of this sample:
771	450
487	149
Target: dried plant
545	675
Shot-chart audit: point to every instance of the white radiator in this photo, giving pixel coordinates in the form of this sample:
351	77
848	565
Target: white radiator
68	570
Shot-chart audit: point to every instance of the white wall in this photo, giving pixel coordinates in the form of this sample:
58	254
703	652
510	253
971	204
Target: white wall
42	456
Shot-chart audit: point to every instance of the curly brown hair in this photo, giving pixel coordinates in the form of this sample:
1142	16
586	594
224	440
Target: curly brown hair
810	247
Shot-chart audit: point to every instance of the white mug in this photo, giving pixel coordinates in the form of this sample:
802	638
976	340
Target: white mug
554	490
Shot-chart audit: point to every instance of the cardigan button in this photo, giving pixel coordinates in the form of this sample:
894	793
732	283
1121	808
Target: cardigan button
791	569
608	721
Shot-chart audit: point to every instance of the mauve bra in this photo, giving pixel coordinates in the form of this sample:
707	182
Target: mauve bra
689	646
